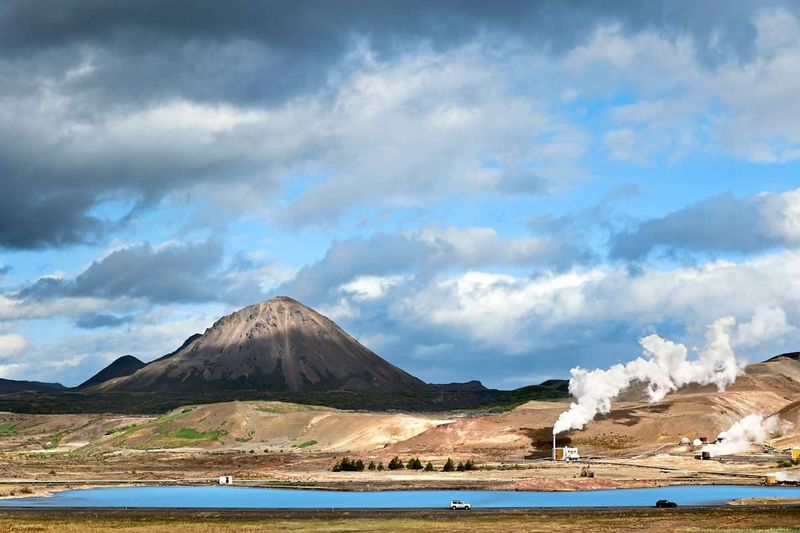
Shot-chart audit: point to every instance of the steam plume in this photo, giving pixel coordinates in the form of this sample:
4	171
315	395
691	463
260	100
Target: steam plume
783	477
752	429
664	367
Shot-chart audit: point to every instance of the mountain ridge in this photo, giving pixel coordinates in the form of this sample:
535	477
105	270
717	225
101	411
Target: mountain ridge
13	385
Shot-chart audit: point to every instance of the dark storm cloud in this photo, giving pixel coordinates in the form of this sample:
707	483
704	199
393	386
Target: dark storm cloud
182	273
101	320
722	223
142	53
322	29
35	219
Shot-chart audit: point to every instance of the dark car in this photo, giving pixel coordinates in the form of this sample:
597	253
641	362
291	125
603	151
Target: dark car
664	504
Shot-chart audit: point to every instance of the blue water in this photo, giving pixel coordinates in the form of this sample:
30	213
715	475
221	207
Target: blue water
255	498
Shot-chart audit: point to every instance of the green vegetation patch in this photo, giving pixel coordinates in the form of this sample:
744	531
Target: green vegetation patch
53	442
8	429
284	407
307	443
193	434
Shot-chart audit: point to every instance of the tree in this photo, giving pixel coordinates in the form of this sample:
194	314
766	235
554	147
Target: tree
372	466
395	463
349	465
460	467
429	467
414	464
469	465
381	467
449	466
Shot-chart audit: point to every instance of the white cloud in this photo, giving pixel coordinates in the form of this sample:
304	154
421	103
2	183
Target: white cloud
493	308
339	310
766	324
680	105
22	309
12	370
515	313
371	287
781	215
12	345
483	245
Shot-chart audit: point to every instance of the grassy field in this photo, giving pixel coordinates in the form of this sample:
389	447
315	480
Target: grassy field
690	520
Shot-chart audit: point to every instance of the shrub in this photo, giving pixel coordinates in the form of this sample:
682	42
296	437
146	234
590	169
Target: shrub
449	466
395	463
429	467
371	466
460	467
381	467
414	464
469	465
349	465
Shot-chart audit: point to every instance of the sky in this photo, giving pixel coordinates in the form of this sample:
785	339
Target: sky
475	190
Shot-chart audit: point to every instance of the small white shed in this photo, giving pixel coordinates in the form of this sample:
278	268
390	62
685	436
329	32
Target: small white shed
226	480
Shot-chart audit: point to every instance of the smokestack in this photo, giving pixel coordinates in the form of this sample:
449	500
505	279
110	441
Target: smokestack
554	446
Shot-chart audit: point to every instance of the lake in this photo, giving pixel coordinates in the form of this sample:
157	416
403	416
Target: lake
256	498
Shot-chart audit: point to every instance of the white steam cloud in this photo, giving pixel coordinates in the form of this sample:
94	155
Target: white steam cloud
665	367
752	429
783	477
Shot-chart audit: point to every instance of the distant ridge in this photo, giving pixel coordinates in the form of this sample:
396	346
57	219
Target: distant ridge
11	385
122	366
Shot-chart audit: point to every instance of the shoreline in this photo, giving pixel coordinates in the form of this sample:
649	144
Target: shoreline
549	520
48	488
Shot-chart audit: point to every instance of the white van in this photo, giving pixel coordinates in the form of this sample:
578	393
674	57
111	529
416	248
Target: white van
459	505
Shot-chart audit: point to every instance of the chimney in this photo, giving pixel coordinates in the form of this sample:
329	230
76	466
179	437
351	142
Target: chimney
554	446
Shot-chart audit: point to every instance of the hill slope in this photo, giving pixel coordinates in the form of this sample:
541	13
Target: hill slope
277	345
122	366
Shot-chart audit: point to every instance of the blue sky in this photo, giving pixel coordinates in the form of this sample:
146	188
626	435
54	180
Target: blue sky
475	192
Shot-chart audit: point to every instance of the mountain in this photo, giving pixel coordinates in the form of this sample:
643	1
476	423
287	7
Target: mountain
789	355
10	385
122	366
186	343
277	345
